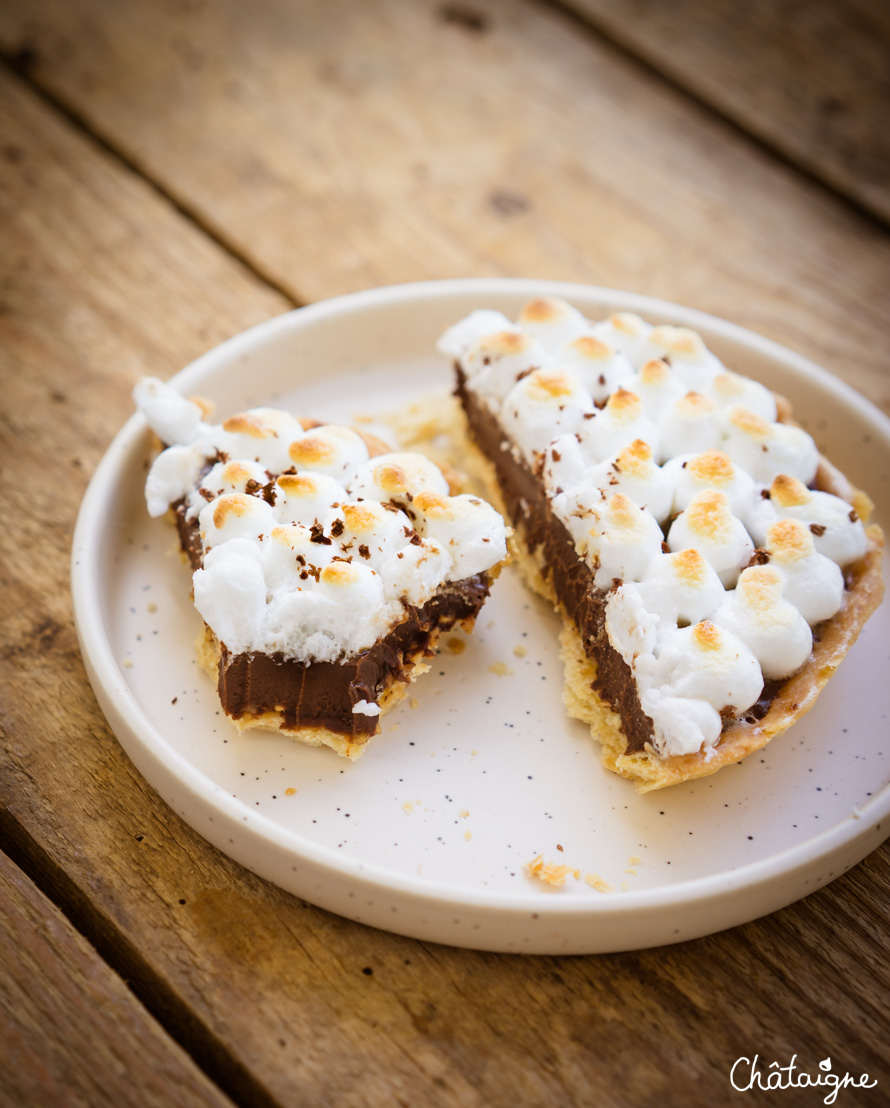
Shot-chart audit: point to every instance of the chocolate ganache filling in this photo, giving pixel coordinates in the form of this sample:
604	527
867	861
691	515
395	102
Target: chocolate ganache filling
529	511
322	694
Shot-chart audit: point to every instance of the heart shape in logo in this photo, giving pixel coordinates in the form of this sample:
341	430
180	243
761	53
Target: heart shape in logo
825	1064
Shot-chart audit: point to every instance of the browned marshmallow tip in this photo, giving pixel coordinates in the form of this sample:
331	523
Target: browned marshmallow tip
708	515
310	451
391	478
706	636
694	404
745	420
359	517
788	492
655	372
624	403
761	587
789	540
430	503
338	574
502	343
689	566
297	484
713	466
375	445
543	309
623	511
251	425
680	341
551	384
635	457
207	406
233	472
234	504
626	322
589	347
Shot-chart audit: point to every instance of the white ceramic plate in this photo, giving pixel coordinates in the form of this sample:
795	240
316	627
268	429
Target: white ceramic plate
427	835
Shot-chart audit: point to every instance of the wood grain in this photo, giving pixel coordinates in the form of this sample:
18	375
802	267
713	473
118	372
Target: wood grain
71	1032
103	279
811	79
340	145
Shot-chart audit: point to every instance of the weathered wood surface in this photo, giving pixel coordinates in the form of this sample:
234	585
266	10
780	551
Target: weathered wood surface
71	1032
344	145
103	279
810	79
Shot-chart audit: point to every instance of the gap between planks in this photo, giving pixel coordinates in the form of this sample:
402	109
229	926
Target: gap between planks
594	28
161	1002
18	65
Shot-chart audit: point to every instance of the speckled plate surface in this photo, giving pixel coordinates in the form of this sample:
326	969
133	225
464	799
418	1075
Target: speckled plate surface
427	835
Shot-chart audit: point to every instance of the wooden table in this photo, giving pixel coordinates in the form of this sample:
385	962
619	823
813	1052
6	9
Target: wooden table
175	172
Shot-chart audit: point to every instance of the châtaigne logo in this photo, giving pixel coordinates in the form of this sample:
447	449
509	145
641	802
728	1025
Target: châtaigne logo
747	1074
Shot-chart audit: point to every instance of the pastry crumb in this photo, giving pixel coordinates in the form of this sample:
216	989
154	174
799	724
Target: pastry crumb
520	651
394	726
596	882
290	792
415	703
408	807
631	871
468	835
634	860
456	645
151	606
463	813
549	872
127	663
501	669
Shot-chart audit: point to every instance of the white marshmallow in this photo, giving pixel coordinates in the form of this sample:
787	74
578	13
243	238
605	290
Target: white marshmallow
837	530
223	477
617	426
337	452
457	340
688	425
496	362
230	593
681	724
681	587
627	333
598	368
693	364
261	435
710	663
731	389
416	571
811	582
370	533
658	388
173	476
308	498
552	322
543	406
633	472
468	528
694	473
774	630
291	559
234	516
767	449
397	477
566	466
621	541
173	419
708	525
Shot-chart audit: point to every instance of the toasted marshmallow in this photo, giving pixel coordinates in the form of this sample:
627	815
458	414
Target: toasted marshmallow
335	451
836	528
457	341
694	473
224	477
617	426
370	533
689	424
658	388
627	333
308	498
681	587
496	362
596	366
767	449
261	435
680	724
566	466
694	365
811	582
633	472
397	477
708	525
469	529
416	571
552	322
708	662
621	541
291	558
230	593
774	630
173	419
234	516
543	406
173	476
731	389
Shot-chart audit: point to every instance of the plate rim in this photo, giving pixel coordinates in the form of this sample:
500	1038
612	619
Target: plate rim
117	700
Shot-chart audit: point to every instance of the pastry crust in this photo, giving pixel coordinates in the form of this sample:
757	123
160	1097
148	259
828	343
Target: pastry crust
446	426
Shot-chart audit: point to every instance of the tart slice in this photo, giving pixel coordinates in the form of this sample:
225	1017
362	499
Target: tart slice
710	567
324	566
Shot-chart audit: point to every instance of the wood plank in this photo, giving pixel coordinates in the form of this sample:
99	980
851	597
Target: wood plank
809	79
340	146
103	280
71	1032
